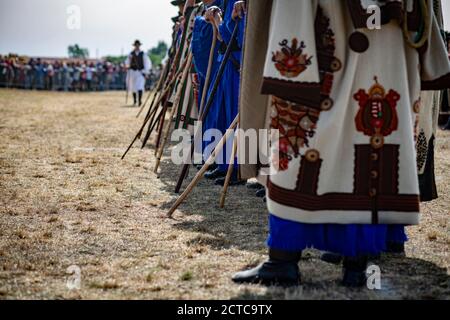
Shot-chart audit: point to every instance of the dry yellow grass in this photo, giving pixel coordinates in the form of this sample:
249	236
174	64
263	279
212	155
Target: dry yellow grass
67	199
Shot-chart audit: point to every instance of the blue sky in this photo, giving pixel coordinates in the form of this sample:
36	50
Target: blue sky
39	27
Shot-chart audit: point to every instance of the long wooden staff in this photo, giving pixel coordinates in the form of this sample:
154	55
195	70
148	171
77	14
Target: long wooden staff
147	118
156	120
204	93
172	113
128	87
209	102
168	88
162	119
153	114
156	106
205	167
158	89
208	73
229	172
162	115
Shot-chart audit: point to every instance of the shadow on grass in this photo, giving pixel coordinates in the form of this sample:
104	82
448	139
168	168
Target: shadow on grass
242	225
401	278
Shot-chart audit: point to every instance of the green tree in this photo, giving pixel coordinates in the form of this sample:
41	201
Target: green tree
158	53
116	59
76	51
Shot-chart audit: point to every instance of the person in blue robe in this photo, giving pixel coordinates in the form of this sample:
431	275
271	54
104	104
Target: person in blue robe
202	39
227	96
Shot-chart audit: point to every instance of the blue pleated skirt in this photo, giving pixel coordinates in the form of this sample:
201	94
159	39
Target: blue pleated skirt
348	240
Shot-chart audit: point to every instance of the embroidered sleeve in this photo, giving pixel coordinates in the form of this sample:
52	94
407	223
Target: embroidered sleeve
291	69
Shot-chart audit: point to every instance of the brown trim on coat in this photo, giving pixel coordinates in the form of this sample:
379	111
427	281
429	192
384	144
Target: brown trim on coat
341	201
441	83
305	93
388	170
308	176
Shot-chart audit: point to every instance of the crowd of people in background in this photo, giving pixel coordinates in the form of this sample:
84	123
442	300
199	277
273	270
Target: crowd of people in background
64	74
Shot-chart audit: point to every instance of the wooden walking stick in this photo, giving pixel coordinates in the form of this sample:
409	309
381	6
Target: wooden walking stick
161	120
152	124
152	118
158	89
202	171
161	88
208	73
229	173
128	87
172	113
167	89
210	101
155	121
165	106
147	118
204	93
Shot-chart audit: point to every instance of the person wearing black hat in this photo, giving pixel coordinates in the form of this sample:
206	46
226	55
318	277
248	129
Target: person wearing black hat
139	65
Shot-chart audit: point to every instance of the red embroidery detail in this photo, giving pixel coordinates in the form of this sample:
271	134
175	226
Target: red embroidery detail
290	61
377	114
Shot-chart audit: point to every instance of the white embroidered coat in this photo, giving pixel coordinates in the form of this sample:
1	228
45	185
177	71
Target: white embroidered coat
345	100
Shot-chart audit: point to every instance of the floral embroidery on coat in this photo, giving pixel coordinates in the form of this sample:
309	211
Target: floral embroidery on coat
296	124
290	61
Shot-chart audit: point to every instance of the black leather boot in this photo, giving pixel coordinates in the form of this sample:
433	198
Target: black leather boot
354	270
261	193
396	248
215	174
254	186
281	269
330	257
140	92
233	182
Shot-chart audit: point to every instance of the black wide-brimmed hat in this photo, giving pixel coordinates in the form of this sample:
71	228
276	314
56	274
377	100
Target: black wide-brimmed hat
137	43
177	2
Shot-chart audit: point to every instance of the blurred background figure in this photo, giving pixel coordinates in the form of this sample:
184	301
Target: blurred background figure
139	66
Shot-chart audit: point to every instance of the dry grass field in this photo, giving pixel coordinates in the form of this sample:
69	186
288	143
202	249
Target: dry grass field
66	199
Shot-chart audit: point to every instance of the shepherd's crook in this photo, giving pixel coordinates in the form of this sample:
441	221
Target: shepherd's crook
229	173
158	89
208	73
210	101
202	171
128	87
147	118
172	113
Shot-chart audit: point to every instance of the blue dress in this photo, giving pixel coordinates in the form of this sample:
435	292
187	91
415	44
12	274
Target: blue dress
348	240
228	93
202	37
